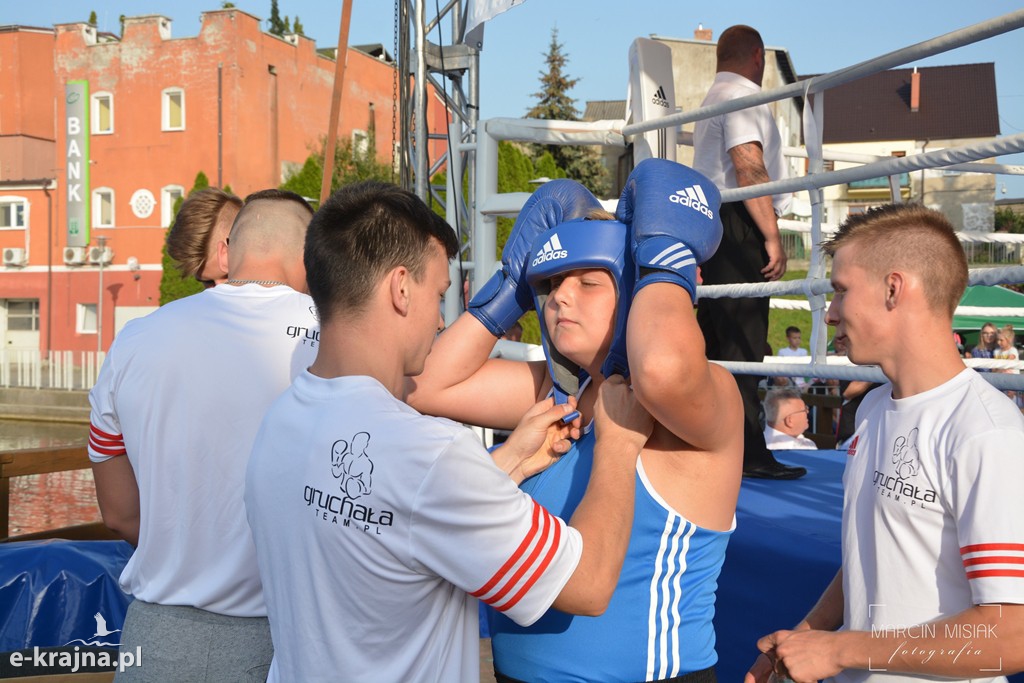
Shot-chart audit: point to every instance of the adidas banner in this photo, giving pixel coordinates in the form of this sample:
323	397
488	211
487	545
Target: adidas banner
652	94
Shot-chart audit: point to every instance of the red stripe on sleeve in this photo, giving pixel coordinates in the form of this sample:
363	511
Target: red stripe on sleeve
105	442
108	451
994	559
996	573
536	574
511	582
980	547
515	556
102	434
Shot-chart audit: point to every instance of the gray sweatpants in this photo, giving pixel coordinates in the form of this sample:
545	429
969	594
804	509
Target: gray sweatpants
176	643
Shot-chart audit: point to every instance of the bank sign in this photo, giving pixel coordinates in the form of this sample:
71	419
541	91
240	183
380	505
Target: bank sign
76	104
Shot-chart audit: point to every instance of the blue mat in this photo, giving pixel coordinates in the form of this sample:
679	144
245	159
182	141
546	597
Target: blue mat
784	552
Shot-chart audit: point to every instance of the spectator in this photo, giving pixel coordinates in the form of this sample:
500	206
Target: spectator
200	228
786	415
175	412
794	338
986	347
1008	328
1006	350
738	150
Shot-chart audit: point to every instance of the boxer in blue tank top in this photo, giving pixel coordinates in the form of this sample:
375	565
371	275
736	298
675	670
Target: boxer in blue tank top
614	297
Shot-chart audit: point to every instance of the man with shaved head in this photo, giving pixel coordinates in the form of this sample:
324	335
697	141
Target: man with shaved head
175	412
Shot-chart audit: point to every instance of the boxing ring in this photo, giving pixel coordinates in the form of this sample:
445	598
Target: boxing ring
787	545
489	203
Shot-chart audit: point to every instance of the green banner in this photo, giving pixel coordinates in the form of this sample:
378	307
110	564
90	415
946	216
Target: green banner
76	103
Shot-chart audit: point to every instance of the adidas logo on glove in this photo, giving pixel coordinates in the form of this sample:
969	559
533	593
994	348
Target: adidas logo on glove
694	198
551	250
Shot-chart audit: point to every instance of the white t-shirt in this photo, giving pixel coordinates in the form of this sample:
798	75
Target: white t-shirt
714	137
182	392
375	526
933	516
776	440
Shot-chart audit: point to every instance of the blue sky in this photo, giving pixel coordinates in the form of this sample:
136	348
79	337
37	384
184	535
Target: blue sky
596	34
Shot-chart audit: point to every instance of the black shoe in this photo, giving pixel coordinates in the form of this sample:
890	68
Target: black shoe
775	470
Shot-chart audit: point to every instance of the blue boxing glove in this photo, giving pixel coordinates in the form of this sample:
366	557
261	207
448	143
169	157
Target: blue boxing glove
506	296
673	215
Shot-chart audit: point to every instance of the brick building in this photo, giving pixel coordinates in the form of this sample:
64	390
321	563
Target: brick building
100	134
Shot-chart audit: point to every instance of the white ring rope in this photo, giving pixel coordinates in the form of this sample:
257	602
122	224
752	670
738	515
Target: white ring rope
976	276
815	286
840	368
1010	144
978	311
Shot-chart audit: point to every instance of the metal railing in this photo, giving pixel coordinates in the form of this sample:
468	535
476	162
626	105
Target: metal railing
70	370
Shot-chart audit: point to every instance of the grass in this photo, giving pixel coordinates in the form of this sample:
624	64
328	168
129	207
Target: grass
779	319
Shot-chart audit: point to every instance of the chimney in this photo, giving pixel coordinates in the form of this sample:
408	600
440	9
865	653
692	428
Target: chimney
915	90
701	33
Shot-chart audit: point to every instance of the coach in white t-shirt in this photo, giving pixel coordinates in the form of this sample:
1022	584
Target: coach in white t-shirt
376	527
174	413
932	580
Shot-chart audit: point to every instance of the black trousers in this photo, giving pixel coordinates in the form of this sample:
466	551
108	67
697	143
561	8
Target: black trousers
737	329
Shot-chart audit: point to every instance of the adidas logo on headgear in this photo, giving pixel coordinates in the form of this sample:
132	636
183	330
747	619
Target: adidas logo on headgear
659	98
694	198
551	250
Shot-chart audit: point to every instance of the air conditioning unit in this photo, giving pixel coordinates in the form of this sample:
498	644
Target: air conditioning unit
98	255
75	256
14	256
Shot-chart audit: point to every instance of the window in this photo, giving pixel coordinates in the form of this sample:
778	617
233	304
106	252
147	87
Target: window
102	113
360	143
85	319
103	208
169	196
13	213
173	109
23	315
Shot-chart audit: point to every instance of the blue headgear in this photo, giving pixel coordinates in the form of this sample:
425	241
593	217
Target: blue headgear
575	245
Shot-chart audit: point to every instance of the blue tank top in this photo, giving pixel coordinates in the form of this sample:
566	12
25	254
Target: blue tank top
659	622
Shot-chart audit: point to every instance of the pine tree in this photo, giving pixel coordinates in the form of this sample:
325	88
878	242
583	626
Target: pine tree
92	18
554	103
287	25
297	28
277	26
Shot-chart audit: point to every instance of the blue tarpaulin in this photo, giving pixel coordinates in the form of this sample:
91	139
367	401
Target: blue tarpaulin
58	593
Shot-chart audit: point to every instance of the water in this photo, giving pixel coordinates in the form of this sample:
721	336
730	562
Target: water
47	501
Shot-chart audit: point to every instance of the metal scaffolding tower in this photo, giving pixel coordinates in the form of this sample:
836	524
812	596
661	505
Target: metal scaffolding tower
452	72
